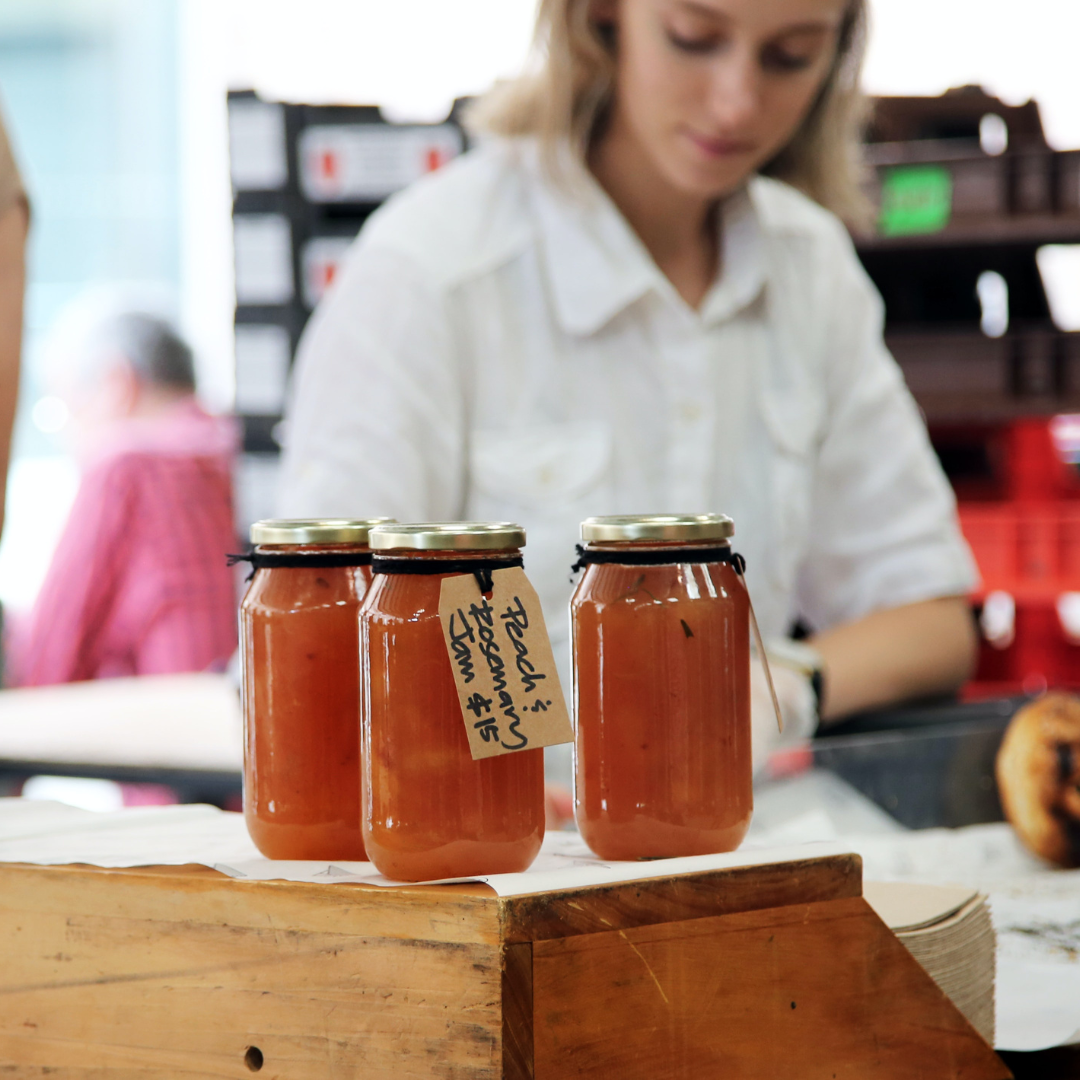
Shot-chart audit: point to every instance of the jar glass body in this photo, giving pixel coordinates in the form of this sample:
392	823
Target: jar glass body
299	654
662	757
429	810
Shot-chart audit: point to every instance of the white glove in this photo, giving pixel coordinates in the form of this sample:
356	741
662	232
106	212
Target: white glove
798	706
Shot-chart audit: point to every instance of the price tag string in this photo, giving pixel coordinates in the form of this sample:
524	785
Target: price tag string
739	563
481	569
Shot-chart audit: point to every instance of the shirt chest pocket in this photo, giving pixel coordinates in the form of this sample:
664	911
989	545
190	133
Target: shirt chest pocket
540	468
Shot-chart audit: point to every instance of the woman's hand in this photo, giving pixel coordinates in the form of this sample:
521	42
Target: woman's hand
883	659
798	707
897	655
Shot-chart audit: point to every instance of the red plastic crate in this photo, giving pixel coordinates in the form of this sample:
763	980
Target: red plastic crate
1027	546
1031	550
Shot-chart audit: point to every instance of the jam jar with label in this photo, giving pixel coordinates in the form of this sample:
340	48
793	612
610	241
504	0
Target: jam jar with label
661	640
300	668
429	809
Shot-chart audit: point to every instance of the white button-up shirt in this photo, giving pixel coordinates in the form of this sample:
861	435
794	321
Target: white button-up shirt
500	346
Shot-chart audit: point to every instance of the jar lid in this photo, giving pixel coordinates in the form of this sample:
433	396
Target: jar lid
658	527
314	530
449	536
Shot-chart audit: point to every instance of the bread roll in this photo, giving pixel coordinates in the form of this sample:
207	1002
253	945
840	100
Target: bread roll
1038	776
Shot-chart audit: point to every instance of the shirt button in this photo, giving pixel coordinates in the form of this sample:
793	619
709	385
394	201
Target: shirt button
689	412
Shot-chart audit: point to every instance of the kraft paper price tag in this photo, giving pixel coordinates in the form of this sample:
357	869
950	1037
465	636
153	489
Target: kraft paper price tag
503	665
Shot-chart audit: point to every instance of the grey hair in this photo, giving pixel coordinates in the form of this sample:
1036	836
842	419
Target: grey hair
158	355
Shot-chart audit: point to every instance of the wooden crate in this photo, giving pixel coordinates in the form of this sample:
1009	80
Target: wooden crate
761	972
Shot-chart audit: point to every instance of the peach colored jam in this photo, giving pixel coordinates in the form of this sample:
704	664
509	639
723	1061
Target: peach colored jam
662	708
301	693
430	810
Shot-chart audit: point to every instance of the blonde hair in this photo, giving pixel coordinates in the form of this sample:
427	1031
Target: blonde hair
566	90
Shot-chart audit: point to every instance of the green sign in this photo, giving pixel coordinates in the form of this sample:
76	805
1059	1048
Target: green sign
915	199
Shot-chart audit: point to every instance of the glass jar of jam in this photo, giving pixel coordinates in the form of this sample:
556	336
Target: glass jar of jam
429	810
661	638
300	667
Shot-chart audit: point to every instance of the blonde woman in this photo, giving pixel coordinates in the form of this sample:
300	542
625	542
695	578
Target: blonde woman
636	295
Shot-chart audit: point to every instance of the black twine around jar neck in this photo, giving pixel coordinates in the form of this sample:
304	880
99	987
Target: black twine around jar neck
658	557
481	569
298	560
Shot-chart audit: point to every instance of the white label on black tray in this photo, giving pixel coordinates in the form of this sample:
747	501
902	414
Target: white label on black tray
257	159
369	162
262	368
321	259
262	247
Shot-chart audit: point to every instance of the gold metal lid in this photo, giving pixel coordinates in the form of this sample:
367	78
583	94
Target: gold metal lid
314	530
658	527
449	536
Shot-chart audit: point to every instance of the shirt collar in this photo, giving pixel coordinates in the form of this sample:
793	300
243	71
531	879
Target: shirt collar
742	261
597	265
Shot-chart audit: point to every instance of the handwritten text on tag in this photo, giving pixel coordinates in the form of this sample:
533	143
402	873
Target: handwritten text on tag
503	666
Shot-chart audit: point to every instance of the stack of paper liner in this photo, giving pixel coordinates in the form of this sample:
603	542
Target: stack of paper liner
948	930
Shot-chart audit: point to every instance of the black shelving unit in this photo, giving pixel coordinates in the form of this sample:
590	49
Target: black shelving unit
950	211
304	179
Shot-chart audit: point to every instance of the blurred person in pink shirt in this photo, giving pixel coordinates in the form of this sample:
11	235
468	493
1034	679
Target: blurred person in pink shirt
138	584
